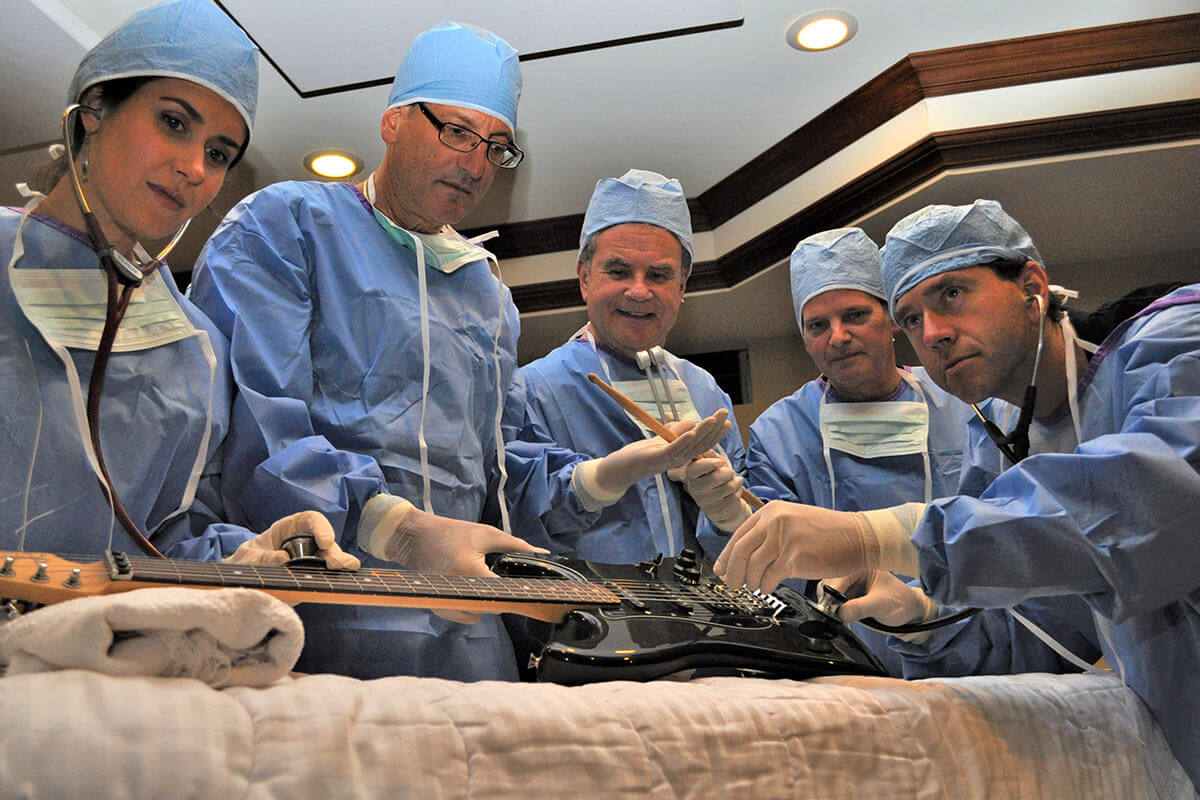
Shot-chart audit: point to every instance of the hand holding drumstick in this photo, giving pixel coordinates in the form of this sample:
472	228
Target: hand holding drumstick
704	481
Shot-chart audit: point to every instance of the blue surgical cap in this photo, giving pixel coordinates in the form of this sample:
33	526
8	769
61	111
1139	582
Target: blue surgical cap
639	196
843	258
939	239
460	65
188	39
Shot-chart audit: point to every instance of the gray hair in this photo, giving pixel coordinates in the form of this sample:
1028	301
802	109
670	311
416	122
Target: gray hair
589	250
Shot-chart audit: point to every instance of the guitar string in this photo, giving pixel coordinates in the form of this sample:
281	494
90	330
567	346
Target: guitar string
368	581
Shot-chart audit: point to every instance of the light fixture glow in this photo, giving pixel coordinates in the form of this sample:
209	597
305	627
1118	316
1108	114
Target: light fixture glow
332	164
821	30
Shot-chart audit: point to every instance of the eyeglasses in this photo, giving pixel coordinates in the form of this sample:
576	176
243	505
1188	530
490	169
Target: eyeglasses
464	140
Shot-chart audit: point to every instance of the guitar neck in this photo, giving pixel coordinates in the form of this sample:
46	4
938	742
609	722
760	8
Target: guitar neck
45	578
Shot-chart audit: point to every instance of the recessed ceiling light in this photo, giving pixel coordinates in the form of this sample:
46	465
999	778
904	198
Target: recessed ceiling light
822	30
332	163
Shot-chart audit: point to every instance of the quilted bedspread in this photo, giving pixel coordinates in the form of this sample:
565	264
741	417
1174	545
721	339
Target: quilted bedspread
81	734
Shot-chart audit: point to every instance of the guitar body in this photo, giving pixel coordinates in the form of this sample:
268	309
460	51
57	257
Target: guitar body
601	621
675	615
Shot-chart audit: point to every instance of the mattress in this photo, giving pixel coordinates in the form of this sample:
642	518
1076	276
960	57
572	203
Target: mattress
82	734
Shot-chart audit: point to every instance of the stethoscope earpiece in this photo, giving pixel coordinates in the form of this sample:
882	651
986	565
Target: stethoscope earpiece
651	362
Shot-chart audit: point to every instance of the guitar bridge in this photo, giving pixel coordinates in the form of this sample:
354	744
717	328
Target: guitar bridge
771	602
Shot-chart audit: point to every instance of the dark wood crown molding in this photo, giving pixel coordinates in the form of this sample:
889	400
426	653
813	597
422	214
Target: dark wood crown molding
917	164
932	73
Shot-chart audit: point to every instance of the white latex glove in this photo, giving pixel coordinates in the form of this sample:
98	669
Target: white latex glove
393	529
716	488
266	547
603	481
790	540
886	598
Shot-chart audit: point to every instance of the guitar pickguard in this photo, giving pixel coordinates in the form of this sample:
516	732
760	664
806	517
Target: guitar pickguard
676	615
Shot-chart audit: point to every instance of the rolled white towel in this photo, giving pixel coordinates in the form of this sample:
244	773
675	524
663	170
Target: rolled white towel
224	637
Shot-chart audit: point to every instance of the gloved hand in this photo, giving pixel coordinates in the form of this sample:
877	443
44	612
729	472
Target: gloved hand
603	481
393	529
716	488
884	597
790	540
266	547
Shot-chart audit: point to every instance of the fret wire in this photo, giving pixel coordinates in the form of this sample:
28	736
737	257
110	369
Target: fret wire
494	587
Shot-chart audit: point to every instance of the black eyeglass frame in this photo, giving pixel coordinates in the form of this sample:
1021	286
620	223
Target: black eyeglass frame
509	148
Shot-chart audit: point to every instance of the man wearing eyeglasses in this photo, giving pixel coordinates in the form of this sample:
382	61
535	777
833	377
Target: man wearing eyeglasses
377	391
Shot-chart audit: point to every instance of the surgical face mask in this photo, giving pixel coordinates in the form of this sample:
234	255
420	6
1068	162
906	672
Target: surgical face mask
444	251
68	307
876	430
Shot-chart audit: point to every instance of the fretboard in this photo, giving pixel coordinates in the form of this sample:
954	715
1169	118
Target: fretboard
386	582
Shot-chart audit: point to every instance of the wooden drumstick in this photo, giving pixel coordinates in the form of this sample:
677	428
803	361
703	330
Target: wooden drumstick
650	422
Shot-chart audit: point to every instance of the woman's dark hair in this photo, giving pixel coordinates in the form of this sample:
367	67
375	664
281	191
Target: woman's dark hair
112	94
1095	326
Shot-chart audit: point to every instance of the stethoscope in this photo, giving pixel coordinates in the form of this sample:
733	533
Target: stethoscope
651	362
1015	445
122	272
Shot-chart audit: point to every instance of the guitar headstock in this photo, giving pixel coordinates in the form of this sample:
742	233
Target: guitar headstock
45	578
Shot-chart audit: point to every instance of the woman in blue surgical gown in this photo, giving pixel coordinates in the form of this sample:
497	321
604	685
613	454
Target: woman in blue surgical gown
165	105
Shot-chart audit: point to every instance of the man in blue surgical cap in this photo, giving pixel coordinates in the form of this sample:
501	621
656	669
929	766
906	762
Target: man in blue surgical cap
373	350
634	260
1105	512
865	434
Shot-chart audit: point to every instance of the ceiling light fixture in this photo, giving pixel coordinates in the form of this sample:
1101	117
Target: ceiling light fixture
822	30
333	163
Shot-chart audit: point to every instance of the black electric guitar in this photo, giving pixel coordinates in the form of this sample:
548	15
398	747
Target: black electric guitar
604	621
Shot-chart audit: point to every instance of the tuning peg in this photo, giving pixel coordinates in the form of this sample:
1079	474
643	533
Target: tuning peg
40	576
73	582
8	566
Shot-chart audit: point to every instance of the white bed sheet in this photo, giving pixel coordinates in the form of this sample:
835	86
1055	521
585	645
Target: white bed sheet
81	734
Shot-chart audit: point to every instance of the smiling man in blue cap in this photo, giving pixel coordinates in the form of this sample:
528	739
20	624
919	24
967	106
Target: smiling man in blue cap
634	260
373	351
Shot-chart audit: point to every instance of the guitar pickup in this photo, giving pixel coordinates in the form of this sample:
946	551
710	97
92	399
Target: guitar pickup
626	597
682	606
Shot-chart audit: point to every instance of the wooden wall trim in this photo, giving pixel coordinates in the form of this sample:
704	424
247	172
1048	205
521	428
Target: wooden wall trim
938	152
1055	56
931	73
1141	125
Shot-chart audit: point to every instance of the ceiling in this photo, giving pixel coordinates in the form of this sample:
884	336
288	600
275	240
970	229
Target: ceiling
1100	161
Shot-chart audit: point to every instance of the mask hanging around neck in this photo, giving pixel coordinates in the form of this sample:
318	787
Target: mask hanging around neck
445	251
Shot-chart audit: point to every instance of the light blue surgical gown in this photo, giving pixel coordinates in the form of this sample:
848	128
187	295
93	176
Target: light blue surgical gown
152	425
565	406
321	308
1113	522
785	461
